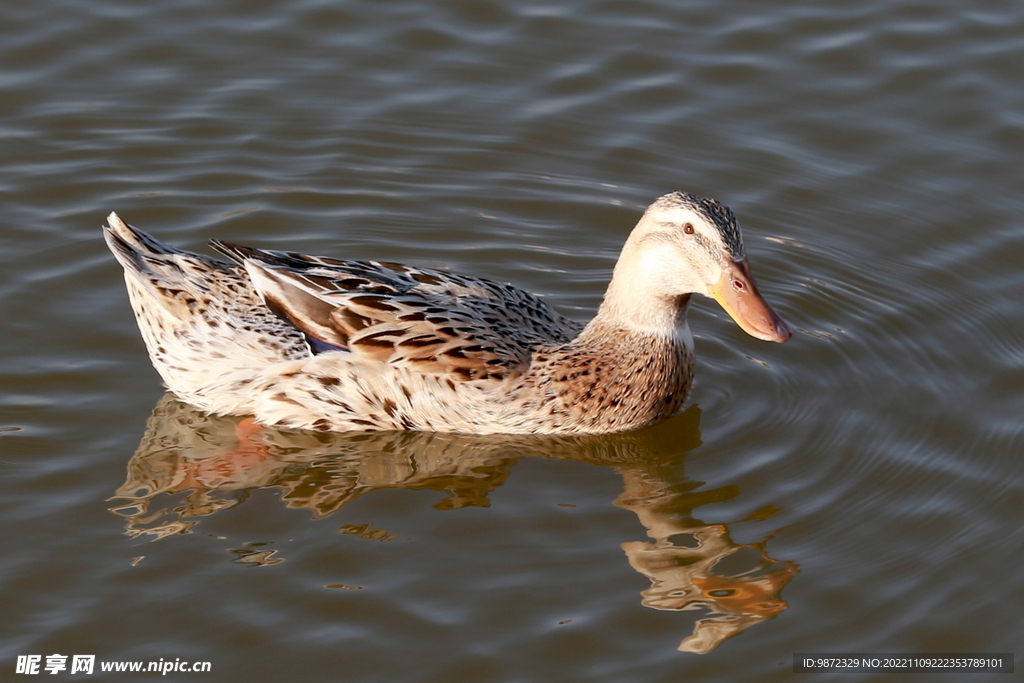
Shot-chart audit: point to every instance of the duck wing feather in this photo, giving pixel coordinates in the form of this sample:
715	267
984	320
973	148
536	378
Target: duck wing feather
429	321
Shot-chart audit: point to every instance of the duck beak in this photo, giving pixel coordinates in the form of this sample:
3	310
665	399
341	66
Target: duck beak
737	293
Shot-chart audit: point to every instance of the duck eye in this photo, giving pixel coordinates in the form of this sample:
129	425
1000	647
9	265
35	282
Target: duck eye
688	228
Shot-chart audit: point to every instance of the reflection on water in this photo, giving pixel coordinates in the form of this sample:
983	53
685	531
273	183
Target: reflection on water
190	464
693	565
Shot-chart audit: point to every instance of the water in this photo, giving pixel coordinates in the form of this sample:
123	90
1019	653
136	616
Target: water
858	489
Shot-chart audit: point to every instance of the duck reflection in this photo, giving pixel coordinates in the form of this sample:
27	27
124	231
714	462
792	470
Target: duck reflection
693	565
210	463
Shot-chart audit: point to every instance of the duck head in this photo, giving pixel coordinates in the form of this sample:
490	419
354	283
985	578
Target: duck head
687	244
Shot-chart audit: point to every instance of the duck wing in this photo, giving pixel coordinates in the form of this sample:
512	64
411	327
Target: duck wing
430	321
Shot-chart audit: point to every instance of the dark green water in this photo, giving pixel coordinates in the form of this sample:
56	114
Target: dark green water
858	489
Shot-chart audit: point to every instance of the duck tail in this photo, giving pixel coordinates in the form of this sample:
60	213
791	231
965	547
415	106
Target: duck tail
141	254
129	245
200	318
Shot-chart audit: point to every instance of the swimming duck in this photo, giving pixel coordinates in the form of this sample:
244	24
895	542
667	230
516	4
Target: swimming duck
317	343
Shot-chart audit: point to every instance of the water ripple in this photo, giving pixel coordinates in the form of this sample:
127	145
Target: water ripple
871	151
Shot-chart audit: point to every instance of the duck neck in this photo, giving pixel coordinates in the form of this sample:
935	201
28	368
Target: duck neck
644	292
637	313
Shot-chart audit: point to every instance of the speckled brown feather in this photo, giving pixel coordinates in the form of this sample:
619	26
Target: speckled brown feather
199	316
427	320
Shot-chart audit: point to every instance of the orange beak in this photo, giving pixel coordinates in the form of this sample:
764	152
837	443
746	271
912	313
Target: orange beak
737	293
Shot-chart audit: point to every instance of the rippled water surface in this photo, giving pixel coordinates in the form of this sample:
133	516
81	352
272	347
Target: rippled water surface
859	489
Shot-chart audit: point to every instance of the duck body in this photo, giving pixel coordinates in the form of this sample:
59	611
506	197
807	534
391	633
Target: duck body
333	345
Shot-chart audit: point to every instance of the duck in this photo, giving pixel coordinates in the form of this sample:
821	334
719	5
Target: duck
314	343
